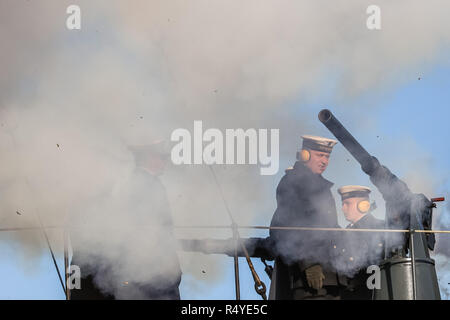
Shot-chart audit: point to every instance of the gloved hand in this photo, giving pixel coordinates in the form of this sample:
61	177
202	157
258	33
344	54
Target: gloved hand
315	276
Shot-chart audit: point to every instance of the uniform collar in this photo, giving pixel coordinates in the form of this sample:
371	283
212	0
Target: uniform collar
360	221
302	170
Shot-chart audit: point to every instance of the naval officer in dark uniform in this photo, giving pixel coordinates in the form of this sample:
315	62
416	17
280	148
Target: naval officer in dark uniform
162	284
303	269
358	250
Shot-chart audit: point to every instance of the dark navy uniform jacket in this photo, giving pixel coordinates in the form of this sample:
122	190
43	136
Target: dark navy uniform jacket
356	251
304	199
162	284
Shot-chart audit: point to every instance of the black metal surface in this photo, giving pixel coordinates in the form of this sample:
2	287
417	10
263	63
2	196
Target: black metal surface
403	278
397	280
344	137
413	265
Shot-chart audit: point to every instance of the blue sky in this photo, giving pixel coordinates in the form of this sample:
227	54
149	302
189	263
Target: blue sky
425	102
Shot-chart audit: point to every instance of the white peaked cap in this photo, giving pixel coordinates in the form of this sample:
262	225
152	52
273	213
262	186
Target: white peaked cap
354	191
318	143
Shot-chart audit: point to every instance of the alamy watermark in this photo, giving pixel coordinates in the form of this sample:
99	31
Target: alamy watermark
374	280
373	22
73	277
73	21
233	147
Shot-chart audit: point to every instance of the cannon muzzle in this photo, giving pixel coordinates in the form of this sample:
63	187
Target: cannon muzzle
368	163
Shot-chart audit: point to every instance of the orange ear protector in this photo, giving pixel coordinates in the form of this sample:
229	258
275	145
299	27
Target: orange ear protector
304	155
363	206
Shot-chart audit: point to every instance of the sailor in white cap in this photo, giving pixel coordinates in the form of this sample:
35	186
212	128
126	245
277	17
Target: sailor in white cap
315	153
304	199
151	208
151	157
358	250
355	203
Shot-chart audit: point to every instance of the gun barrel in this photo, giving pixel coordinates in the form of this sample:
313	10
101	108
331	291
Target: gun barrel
404	209
256	247
349	142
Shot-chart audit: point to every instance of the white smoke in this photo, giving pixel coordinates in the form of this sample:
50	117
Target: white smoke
442	267
72	101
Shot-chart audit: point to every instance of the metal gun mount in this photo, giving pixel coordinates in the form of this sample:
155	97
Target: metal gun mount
408	272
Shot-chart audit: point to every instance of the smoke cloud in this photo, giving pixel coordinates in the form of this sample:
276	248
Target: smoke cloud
72	102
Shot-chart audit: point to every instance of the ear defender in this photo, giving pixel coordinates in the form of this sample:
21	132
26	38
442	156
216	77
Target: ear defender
363	206
304	155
